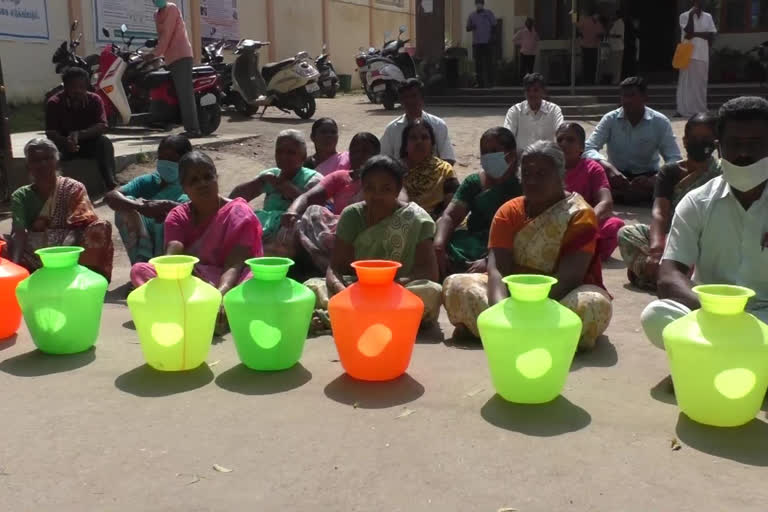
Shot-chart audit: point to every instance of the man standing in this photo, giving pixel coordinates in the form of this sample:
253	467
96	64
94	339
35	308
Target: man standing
481	23
720	230
412	99
616	41
528	40
75	121
535	118
591	32
636	137
699	29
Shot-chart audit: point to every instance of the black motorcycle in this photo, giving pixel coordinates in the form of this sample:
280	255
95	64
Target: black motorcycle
213	55
66	57
329	80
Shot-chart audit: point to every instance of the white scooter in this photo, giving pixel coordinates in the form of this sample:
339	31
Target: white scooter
386	72
289	84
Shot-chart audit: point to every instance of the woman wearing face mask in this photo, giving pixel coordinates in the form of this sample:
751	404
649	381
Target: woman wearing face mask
641	245
173	44
478	196
142	204
430	181
588	179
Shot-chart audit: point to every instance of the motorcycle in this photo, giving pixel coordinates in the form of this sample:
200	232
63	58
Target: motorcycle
213	55
150	99
287	85
386	72
66	57
361	59
329	81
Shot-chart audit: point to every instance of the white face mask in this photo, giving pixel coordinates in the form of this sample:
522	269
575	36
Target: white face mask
746	178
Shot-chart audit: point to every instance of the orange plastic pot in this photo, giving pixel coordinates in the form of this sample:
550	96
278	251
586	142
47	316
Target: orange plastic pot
375	322
10	312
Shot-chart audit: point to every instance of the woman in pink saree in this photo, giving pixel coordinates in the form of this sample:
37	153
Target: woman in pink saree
222	233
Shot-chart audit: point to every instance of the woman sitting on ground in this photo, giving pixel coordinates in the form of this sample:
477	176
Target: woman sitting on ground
56	211
325	137
142	204
588	179
479	196
382	227
641	245
546	231
311	211
430	182
281	185
222	233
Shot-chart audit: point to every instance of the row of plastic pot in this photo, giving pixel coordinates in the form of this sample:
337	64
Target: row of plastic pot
718	355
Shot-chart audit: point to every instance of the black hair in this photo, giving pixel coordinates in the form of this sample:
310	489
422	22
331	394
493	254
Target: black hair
407	131
576	127
708	119
178	142
194	159
367	138
75	73
320	122
386	164
411	83
503	135
743	108
637	82
532	79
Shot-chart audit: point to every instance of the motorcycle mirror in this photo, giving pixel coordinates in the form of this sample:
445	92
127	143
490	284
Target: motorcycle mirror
403	29
325	47
105	32
123	28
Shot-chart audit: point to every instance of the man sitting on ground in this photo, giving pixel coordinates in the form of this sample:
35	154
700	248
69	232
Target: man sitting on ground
721	228
75	121
535	118
412	99
636	137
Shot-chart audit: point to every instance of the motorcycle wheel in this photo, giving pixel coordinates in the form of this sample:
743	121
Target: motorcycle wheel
307	106
331	93
209	118
244	108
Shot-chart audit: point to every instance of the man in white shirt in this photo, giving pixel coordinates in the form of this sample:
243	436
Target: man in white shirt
535	118
411	94
720	229
699	28
616	41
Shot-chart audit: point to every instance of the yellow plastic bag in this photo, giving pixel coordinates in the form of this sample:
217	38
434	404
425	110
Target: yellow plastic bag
683	55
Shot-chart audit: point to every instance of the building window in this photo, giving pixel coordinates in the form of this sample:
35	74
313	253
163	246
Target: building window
393	3
744	16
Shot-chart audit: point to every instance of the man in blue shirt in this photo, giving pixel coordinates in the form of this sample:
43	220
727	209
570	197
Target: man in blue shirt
481	23
637	138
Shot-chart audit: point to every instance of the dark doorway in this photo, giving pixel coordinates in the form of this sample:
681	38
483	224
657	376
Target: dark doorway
658	35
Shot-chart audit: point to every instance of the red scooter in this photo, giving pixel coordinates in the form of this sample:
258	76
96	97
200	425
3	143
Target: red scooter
137	93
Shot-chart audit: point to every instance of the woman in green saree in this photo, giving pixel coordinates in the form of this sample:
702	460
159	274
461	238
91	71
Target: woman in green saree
465	249
382	227
281	186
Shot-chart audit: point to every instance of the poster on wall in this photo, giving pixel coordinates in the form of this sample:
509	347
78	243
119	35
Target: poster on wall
219	19
24	19
137	15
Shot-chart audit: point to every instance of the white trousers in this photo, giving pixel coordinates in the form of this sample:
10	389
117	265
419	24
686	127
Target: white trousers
692	89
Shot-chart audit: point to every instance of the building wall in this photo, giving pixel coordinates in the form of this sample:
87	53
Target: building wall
298	27
348	30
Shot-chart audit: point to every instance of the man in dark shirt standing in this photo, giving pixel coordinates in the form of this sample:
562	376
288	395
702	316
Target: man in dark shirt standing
75	121
481	23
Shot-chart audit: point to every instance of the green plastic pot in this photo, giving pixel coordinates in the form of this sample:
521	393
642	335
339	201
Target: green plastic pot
269	315
529	340
718	357
62	302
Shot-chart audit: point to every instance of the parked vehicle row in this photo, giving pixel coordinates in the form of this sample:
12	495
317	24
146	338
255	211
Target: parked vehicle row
382	71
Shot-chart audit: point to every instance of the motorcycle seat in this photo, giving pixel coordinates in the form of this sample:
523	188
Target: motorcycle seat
271	69
203	71
156	78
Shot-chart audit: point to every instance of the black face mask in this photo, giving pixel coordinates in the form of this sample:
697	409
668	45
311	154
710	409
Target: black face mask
700	150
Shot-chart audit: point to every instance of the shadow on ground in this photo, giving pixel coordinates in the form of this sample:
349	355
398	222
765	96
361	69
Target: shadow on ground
8	342
543	420
38	364
119	295
374	395
664	392
747	444
145	381
243	380
604	355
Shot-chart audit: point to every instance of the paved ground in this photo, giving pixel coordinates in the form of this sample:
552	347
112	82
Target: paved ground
100	431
